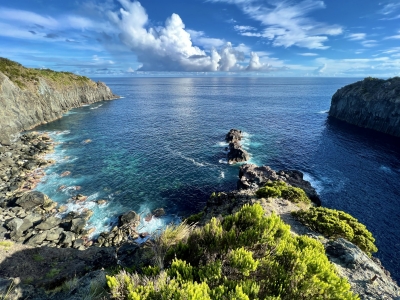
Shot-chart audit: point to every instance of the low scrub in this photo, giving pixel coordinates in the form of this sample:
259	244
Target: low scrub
335	223
244	256
22	76
280	189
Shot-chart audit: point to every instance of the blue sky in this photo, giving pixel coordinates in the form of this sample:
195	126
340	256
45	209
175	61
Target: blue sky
248	37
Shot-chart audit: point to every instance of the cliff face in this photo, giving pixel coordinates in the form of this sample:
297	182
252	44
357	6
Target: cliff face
371	103
22	109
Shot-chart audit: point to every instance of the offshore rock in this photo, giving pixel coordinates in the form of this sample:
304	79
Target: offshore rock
236	153
371	103
23	109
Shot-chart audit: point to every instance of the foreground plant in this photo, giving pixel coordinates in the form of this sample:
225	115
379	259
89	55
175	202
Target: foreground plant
245	256
334	223
280	189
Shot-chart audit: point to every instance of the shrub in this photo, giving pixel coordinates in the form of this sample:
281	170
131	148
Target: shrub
280	189
216	260
194	218
335	223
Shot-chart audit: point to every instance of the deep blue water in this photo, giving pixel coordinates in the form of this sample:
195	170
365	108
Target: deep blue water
162	146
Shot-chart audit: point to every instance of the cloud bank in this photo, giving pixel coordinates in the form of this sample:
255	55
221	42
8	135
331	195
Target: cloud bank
171	48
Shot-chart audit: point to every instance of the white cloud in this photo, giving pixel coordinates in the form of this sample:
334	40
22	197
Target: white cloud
356	36
308	54
286	23
390	8
369	43
255	64
242	28
199	38
172	47
27	17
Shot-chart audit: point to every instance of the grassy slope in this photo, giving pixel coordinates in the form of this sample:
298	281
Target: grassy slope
27	78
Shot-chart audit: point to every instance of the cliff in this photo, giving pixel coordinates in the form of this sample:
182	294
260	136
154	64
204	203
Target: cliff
30	97
370	103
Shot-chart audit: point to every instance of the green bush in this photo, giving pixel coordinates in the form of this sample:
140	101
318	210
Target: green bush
335	223
244	256
280	189
194	218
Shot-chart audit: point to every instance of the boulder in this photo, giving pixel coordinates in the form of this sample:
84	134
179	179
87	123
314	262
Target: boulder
18	225
158	212
33	199
37	238
233	135
131	218
54	234
67	238
49	223
77	225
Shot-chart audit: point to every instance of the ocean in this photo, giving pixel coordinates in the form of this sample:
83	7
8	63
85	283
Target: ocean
162	145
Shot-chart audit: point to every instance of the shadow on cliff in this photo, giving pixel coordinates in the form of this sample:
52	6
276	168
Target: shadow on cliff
46	267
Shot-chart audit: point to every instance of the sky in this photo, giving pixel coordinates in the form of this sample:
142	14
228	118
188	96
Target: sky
330	38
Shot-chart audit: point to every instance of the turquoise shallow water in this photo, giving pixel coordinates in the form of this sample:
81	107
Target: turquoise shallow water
162	145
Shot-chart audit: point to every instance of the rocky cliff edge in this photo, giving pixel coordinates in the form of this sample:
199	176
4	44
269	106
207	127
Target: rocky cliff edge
37	97
371	103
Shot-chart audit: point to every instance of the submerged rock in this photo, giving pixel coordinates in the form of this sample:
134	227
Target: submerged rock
371	103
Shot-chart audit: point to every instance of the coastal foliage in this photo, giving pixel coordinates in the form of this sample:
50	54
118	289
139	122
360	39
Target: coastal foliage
335	223
23	77
244	256
280	189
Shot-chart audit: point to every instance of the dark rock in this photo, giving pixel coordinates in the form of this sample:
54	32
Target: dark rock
158	212
236	153
54	234
132	255
77	225
253	177
49	223
131	218
37	239
18	226
233	135
33	199
295	178
371	103
67	238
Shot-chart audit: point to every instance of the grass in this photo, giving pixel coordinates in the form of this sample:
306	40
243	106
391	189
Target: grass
53	272
7	294
6	245
24	77
38	257
172	235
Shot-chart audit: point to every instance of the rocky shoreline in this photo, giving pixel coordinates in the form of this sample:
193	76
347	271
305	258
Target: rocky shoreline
32	218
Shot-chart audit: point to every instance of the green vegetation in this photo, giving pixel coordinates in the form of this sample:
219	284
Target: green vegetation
335	223
245	256
24	77
6	245
53	272
280	189
38	257
194	218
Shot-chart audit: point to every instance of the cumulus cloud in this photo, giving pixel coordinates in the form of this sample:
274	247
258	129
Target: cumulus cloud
171	47
286	23
255	64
